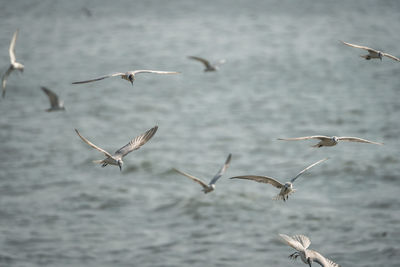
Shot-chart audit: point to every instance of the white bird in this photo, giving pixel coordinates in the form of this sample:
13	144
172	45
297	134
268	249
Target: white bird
129	75
330	141
211	186
372	53
116	159
207	64
14	64
55	103
286	188
308	256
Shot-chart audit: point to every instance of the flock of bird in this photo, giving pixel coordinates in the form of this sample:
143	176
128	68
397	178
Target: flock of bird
299	242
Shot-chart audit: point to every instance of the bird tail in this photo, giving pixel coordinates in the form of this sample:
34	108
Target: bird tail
101	161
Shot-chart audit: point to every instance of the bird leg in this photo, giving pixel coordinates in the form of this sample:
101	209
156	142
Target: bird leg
294	255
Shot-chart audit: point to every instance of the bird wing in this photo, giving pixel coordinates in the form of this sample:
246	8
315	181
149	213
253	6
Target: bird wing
202	60
390	56
137	142
356	139
361	47
261	179
222	170
309	167
320	137
93	145
52	97
197	180
11	50
4	80
294	241
321	260
101	78
154	71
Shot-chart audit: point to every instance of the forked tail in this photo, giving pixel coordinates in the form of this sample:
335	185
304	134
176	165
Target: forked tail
101	161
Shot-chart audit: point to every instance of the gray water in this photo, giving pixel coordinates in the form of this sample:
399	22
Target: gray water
286	75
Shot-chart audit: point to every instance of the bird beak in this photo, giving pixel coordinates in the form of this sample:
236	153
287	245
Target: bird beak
309	262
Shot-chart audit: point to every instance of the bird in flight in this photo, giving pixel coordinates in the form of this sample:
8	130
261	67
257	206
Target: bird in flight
129	75
372	53
14	64
286	188
207	64
330	141
116	158
211	186
55	103
308	256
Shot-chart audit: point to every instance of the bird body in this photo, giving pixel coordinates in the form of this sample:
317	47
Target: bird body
116	158
129	75
330	141
307	256
14	64
286	188
207	188
372	53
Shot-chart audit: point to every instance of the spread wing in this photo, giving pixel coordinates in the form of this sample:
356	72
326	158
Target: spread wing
4	80
11	50
52	97
261	179
390	56
361	47
137	142
197	180
100	78
309	167
298	242
93	145
202	60
356	139
320	137
154	71
222	170
321	260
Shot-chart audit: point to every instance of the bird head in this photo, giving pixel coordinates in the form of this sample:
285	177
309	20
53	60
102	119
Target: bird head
119	162
309	261
131	78
380	55
335	139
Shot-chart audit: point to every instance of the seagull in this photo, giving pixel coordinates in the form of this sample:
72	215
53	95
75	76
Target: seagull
55	103
116	159
286	188
330	141
372	53
308	256
211	186
207	64
129	75
14	64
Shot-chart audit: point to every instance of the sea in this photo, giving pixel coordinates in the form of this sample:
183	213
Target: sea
287	74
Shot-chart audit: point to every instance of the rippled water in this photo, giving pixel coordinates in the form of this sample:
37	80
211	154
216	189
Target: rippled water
286	75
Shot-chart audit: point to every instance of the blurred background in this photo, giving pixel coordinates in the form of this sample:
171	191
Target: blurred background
286	75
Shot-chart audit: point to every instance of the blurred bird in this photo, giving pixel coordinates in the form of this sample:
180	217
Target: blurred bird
330	141
372	53
14	64
308	256
207	64
55	103
129	75
211	186
286	188
116	159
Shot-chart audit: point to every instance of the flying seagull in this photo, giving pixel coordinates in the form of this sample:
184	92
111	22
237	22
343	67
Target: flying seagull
286	188
308	256
330	141
116	159
14	64
372	53
129	75
207	64
55	103
211	186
